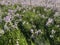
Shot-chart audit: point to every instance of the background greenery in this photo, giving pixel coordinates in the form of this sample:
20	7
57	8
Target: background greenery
29	18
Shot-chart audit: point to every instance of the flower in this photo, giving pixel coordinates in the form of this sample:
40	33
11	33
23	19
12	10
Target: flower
27	23
38	32
53	31
43	16
17	43
57	25
24	11
24	22
33	26
34	10
1	31
51	36
32	36
29	8
32	30
6	27
7	18
50	20
10	11
18	8
45	9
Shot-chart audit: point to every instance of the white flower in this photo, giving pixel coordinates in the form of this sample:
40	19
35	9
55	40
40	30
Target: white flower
18	8
51	36
32	36
17	43
53	31
50	20
33	26
32	30
14	26
29	8
37	11
17	14
58	25
45	9
37	32
27	23
39	14
6	27
24	11
43	16
34	10
1	31
20	19
24	22
40	31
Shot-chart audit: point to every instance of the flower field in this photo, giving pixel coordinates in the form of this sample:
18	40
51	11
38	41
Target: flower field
28	25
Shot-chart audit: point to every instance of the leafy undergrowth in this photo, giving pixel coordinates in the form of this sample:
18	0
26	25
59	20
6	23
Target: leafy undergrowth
29	25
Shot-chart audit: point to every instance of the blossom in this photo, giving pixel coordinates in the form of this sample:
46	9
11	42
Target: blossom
43	16
38	12
10	11
18	8
1	31
58	25
27	23
38	32
17	42
32	36
33	26
24	11
17	14
24	22
29	8
51	36
50	20
34	10
53	31
45	9
32	30
6	27
7	18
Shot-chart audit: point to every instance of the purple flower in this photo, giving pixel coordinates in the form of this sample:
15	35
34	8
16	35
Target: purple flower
7	18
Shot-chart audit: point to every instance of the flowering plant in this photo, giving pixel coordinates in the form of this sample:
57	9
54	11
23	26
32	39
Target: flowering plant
21	25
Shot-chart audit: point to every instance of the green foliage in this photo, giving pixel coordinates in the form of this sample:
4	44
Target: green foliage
10	37
36	19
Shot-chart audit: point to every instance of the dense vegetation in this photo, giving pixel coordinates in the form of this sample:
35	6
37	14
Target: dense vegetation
29	25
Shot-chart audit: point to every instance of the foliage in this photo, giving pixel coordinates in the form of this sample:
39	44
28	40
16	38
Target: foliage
29	26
